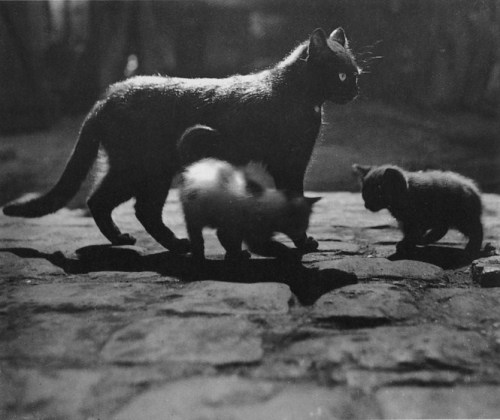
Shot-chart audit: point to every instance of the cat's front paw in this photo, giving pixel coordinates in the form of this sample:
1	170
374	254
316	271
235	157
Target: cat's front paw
180	246
238	256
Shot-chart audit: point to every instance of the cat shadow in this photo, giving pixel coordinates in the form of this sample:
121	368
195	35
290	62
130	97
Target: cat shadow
308	284
443	256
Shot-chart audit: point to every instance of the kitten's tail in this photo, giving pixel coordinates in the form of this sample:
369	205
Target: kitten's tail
198	142
79	164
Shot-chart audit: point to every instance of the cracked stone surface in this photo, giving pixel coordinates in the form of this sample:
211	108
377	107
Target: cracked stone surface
92	331
370	302
221	340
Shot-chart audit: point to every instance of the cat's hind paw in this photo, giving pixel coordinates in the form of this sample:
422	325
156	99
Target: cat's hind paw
180	246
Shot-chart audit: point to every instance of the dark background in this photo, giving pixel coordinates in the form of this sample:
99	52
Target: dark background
430	93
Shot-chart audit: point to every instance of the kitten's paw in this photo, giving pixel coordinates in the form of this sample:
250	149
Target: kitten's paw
180	246
124	239
306	245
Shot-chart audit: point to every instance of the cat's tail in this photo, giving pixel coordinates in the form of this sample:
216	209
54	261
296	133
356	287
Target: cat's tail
79	164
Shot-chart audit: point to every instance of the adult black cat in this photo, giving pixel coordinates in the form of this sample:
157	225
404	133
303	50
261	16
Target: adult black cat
273	117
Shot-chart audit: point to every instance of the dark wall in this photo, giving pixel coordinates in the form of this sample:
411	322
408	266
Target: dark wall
432	54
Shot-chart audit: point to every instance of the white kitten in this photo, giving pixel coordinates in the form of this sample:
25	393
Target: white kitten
242	205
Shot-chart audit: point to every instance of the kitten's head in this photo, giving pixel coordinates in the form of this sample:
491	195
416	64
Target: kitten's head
382	187
332	62
294	220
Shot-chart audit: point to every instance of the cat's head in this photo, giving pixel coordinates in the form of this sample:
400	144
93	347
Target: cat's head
331	61
382	187
294	220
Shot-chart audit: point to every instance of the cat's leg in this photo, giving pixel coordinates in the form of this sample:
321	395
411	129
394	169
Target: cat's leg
195	234
475	234
149	210
231	241
111	192
294	182
434	235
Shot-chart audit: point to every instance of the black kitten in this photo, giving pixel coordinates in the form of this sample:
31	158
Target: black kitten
427	204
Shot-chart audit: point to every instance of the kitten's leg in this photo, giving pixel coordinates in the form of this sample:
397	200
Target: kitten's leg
434	235
149	209
412	235
295	183
475	234
110	193
231	241
306	244
271	248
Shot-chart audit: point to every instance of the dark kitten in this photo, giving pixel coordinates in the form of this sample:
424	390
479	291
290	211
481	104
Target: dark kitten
427	204
242	207
272	117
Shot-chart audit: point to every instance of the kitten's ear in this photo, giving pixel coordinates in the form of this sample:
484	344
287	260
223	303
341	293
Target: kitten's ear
317	43
254	188
312	200
395	183
338	35
361	170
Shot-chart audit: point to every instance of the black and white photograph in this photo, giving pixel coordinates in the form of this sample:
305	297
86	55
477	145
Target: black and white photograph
249	209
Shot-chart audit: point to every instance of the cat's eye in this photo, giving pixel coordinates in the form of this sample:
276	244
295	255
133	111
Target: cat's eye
342	77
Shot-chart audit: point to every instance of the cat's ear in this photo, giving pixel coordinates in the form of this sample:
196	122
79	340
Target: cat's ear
254	188
317	43
395	183
361	170
338	35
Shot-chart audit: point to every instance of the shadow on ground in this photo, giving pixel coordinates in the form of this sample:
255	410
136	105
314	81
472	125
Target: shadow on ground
447	258
308	284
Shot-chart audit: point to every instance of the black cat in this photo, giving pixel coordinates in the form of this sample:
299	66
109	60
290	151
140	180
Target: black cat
273	117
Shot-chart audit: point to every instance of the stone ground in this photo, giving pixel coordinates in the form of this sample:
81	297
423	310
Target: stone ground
90	331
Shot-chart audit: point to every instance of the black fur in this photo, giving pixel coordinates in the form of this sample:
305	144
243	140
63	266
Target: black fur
427	204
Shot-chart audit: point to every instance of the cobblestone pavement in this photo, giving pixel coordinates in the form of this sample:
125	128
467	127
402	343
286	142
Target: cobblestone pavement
90	331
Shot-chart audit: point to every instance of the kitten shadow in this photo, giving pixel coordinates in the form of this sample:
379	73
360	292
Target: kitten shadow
445	257
308	284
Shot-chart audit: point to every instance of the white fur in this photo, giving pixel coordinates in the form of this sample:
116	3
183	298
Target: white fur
214	193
